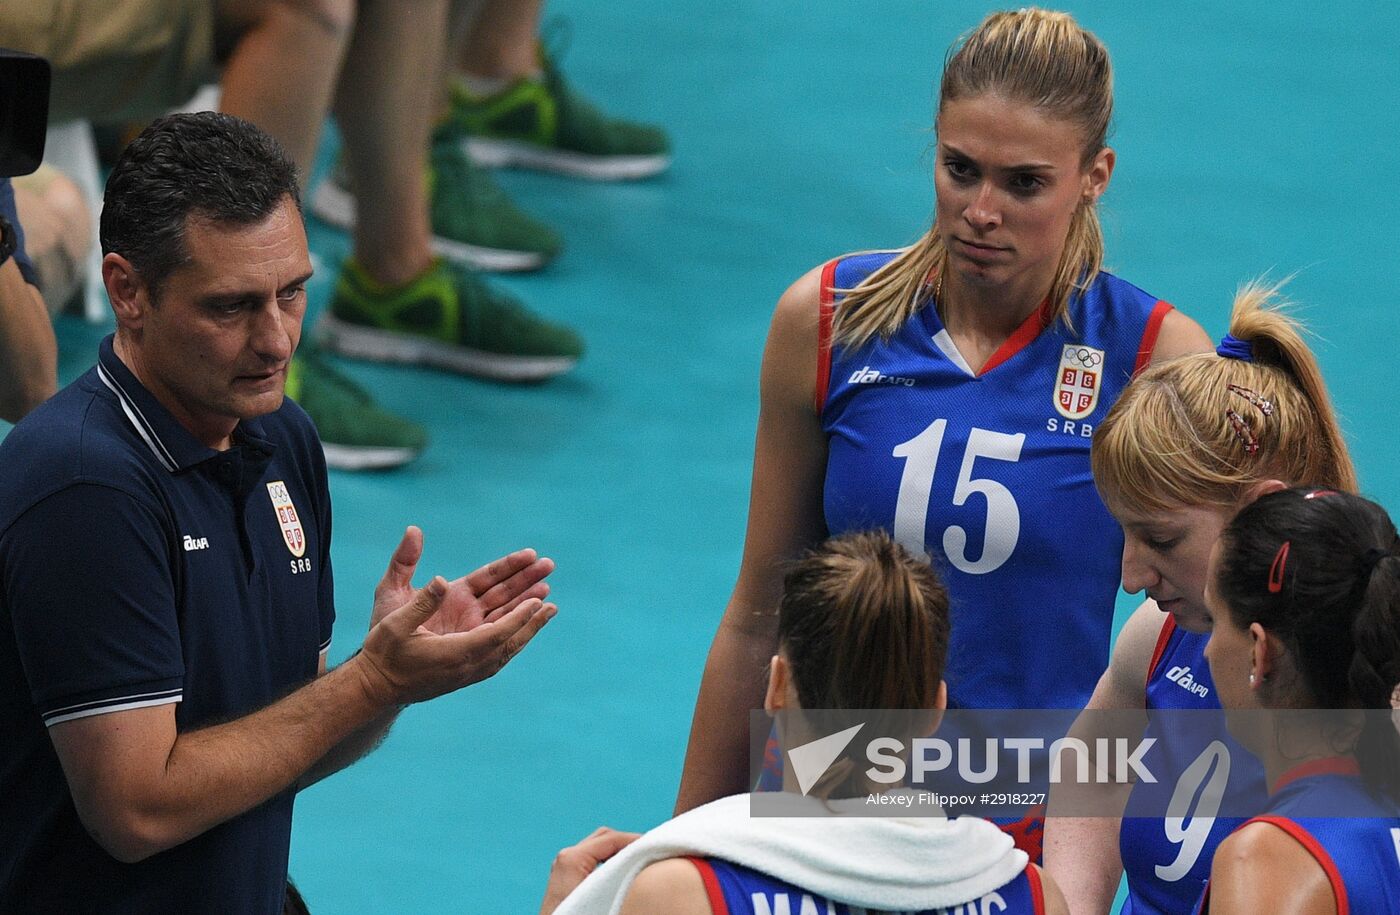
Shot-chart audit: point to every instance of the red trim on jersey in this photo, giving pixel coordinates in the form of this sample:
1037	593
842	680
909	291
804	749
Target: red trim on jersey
1332	765
1168	627
1037	891
1028	833
826	309
712	888
1020	338
1314	847
1149	335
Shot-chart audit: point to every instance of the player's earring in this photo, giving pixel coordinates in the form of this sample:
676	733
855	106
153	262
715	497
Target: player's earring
1251	679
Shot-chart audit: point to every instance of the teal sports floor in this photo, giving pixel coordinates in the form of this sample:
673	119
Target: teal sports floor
1252	137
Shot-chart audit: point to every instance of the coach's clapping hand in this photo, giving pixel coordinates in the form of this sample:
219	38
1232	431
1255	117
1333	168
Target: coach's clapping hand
495	588
447	635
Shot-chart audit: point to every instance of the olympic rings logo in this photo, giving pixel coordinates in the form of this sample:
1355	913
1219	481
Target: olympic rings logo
1083	357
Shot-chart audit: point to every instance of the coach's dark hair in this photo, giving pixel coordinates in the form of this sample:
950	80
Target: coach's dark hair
864	625
207	164
1320	570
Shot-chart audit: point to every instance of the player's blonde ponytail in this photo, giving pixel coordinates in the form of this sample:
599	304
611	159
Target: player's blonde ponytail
1201	429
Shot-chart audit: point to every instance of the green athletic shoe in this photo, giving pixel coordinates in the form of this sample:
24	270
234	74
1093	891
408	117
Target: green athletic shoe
473	220
543	123
448	318
356	434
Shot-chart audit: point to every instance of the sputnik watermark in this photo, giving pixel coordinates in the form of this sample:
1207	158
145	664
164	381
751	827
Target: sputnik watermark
931	755
1185	765
929	799
897	762
811	760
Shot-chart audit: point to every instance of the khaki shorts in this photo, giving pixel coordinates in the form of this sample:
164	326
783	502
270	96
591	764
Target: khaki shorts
115	60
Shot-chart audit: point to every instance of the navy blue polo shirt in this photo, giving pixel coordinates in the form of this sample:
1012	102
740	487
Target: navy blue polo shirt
139	567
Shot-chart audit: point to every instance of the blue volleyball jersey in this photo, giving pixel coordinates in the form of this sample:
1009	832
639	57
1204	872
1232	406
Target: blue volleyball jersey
736	890
1358	848
1167	862
988	472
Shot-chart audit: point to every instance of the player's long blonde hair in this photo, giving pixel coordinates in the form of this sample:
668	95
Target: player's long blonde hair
1043	59
1201	429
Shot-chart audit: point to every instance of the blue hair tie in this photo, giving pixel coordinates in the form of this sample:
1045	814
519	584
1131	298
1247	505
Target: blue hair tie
1235	348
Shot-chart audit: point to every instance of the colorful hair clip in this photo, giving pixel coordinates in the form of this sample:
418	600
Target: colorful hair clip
1276	569
1319	493
1262	403
1242	431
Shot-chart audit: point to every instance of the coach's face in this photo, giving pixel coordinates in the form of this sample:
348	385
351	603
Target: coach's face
213	346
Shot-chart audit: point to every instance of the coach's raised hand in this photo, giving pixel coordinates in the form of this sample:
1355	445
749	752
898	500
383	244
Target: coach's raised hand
491	591
414	653
405	658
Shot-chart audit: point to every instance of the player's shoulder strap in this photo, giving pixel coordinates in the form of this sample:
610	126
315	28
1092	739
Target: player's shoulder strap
826	311
1163	639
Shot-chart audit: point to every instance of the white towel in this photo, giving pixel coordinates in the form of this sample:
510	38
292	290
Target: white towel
905	864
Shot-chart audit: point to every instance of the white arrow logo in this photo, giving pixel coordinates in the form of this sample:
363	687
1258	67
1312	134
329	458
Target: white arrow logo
811	760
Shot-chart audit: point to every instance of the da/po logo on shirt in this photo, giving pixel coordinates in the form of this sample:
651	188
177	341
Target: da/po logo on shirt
868	375
292	533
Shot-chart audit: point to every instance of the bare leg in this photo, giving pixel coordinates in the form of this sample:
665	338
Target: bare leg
57	232
389	90
282	68
496	38
285	62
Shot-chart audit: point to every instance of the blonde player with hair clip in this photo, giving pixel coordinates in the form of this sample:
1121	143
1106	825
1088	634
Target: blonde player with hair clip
1188	443
948	392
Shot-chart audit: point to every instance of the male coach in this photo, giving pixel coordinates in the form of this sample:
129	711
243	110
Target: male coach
166	601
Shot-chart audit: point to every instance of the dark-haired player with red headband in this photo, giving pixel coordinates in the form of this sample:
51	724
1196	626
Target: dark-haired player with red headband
1303	596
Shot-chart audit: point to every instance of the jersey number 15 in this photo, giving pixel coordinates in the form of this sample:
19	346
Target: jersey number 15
1003	529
